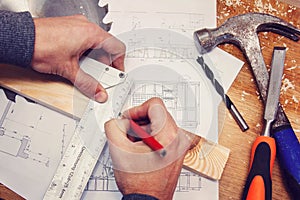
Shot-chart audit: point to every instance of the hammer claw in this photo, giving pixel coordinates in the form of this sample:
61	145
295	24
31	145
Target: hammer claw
288	32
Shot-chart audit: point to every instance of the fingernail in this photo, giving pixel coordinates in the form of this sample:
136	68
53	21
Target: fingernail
101	96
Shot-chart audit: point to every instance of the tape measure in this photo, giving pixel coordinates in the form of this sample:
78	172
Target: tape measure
89	139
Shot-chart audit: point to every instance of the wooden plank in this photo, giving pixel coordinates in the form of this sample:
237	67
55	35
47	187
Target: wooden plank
52	91
207	159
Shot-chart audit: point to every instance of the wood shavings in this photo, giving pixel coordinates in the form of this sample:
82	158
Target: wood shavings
295	99
258	94
286	101
286	85
270	8
229	2
259	5
292	68
244	93
233	2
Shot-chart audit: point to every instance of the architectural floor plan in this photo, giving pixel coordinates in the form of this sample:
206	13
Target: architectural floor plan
33	139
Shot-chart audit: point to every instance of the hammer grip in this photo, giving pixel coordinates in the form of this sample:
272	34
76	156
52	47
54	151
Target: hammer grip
288	151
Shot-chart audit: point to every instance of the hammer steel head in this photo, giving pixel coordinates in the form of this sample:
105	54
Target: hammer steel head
239	29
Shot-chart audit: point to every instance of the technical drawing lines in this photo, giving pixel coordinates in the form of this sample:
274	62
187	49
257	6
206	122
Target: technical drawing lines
138	48
187	181
181	99
184	21
5	112
24	126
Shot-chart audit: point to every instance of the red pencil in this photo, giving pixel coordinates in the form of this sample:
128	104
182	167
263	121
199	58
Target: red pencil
147	139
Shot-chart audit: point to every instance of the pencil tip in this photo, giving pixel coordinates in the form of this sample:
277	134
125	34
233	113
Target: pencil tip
162	152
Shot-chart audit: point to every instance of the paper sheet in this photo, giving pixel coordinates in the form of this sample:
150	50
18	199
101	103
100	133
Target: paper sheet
33	153
33	139
130	18
183	17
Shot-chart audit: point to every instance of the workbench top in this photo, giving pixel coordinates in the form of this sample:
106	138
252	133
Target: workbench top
245	96
243	93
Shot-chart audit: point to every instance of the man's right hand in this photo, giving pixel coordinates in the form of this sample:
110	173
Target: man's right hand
137	168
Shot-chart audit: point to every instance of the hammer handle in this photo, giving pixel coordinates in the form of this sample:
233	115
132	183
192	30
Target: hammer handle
288	149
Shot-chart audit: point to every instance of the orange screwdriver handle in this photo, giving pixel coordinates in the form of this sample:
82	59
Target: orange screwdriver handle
259	183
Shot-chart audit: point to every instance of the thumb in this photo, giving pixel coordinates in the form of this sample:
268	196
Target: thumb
90	87
116	133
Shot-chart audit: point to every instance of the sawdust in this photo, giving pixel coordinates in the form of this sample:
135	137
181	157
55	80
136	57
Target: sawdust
258	4
295	102
244	93
293	67
295	99
264	6
258	94
286	85
229	2
278	9
233	2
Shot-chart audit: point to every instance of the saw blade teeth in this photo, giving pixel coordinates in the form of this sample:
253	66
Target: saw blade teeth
103	3
107	26
105	7
104	11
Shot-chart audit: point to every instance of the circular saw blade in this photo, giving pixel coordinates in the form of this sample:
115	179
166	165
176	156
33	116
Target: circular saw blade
56	8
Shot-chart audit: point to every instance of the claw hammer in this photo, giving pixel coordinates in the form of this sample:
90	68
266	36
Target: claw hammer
241	30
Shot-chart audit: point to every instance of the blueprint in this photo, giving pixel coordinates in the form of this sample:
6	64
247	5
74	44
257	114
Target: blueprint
160	58
33	139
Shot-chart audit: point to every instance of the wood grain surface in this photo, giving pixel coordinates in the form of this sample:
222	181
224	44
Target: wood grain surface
213	159
243	93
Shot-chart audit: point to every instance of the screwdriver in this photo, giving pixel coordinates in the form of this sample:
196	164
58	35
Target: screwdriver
259	183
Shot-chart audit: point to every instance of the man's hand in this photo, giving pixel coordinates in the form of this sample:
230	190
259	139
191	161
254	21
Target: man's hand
137	168
61	41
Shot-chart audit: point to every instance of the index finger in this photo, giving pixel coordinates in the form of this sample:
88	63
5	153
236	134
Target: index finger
116	132
114	47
